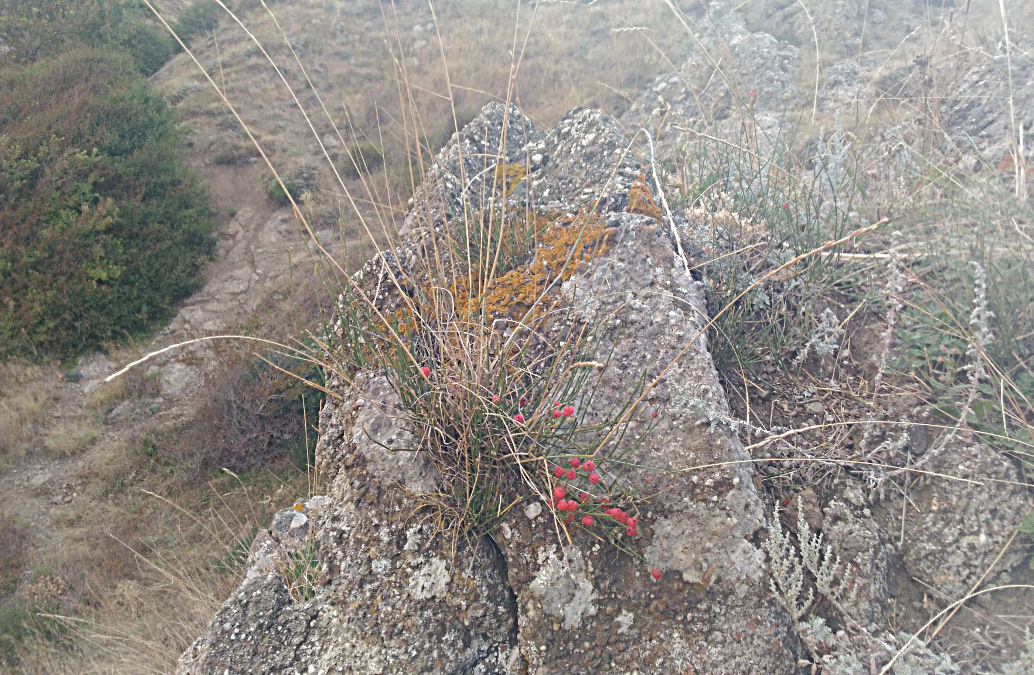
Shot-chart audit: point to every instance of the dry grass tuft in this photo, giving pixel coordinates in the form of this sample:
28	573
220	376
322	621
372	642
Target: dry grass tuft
23	406
70	440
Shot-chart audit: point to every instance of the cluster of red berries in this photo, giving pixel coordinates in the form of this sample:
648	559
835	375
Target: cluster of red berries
570	506
565	411
559	500
570	474
630	522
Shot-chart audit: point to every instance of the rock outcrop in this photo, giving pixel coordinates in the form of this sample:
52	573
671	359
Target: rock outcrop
395	594
363	580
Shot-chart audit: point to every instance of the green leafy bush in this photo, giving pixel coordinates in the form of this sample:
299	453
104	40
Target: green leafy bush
201	17
37	29
103	228
277	194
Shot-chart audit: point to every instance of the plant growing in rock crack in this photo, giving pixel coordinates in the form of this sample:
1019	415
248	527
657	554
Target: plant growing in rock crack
475	337
496	373
300	568
798	569
752	207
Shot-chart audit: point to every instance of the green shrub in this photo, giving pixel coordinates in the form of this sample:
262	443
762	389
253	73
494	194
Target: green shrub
200	18
103	227
149	45
277	194
44	28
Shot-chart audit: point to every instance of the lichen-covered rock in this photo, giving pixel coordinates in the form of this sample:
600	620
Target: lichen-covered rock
585	608
954	533
399	595
393	597
258	630
729	66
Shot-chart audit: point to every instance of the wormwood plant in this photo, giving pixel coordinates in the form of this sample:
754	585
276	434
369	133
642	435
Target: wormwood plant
797	570
789	562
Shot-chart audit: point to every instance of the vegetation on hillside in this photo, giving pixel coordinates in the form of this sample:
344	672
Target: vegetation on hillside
33	30
103	227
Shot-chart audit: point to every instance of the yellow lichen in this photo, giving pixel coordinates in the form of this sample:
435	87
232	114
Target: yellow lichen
520	287
508	176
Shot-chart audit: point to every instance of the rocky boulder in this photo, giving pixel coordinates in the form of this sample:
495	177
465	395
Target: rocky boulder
396	591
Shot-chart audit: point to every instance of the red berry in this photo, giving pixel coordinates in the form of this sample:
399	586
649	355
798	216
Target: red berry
561	505
648	480
569	520
556	414
572	505
568	411
632	522
518	418
584	497
590	465
523	401
654	414
556	404
630	531
575	462
559	491
587	521
426	371
558	471
656	574
571	474
495	399
603	500
594	478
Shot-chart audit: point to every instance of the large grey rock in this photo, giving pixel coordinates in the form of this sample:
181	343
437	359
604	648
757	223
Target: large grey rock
955	532
727	61
393	596
582	607
398	595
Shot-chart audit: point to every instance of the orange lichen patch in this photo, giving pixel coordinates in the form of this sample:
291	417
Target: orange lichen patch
640	200
510	243
561	250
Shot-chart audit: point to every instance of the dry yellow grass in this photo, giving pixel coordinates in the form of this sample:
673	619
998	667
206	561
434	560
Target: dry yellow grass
107	396
71	439
23	406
